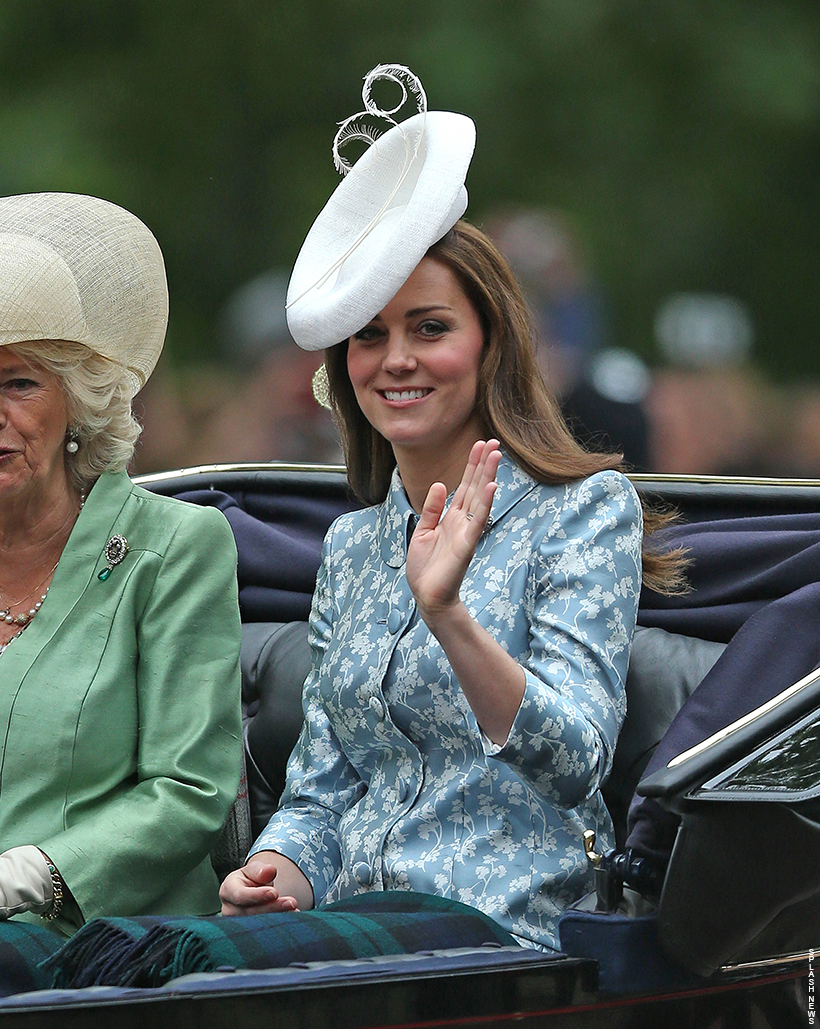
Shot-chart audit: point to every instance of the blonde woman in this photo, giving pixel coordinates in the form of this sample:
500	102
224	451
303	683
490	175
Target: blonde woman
119	626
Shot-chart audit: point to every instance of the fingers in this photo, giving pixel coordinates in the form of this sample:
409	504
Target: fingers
478	483
279	905
249	890
474	495
433	506
261	874
243	892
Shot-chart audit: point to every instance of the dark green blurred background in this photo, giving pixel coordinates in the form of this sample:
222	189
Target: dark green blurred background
682	136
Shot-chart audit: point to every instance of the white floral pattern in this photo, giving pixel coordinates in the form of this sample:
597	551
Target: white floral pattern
392	784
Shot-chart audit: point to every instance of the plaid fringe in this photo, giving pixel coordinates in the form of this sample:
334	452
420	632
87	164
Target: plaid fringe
151	951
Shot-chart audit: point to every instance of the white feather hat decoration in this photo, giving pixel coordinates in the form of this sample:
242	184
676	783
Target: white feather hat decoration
402	195
81	269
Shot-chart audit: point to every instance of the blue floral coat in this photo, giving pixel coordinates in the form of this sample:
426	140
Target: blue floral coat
392	784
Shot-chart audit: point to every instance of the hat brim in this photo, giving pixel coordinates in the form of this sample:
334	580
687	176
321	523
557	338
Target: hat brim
372	251
81	269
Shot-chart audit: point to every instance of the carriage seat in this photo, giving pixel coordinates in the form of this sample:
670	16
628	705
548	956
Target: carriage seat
664	670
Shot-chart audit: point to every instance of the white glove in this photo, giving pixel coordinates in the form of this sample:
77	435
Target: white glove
25	882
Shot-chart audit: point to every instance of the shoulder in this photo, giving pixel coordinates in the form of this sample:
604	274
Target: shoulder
604	507
180	515
352	526
605	490
605	504
157	520
610	488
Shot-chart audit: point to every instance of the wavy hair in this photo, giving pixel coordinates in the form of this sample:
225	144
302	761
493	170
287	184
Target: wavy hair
99	394
514	403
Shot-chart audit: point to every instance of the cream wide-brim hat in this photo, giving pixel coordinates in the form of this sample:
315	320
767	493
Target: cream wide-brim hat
371	241
81	269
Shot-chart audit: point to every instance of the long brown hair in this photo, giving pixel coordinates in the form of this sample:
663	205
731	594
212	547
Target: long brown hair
514	404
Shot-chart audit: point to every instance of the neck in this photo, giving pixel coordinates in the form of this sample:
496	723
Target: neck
419	470
34	530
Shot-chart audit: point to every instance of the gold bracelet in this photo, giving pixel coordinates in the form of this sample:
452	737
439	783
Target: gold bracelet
57	885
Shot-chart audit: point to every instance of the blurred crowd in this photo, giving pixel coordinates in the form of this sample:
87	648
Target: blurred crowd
701	408
256	405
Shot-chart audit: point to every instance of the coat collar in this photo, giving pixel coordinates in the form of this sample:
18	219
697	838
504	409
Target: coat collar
396	516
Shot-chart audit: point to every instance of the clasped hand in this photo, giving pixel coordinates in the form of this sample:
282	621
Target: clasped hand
268	882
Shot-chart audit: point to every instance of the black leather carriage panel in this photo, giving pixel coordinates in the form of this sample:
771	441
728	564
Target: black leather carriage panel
712	772
707	498
275	661
665	668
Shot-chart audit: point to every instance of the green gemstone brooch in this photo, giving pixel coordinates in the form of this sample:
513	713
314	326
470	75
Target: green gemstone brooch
115	550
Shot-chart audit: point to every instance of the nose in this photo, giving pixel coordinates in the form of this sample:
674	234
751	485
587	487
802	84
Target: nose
399	356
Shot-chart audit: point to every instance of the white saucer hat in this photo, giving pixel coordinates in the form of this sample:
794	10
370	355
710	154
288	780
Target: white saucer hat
81	269
402	195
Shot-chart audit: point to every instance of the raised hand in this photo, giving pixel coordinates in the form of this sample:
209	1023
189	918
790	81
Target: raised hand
442	547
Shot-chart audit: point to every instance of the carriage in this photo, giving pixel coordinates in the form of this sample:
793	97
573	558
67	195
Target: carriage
729	941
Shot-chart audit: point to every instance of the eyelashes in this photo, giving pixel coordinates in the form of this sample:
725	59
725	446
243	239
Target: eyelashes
425	330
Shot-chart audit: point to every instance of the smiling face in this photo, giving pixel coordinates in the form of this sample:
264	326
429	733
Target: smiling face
33	425
414	368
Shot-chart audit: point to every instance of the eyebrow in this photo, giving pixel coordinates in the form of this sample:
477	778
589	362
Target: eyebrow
426	310
414	312
17	370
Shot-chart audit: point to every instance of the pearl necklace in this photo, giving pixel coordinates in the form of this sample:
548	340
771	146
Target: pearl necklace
24	618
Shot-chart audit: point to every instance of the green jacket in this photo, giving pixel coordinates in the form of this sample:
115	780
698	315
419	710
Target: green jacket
120	708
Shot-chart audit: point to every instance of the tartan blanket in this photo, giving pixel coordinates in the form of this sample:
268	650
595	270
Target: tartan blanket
152	950
23	948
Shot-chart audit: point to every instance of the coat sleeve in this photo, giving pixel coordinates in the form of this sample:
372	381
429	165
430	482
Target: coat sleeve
157	827
321	783
582	602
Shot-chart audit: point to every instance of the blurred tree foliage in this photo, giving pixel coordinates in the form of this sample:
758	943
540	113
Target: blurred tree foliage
683	136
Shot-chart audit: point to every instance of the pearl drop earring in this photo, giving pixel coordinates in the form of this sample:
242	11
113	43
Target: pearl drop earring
72	446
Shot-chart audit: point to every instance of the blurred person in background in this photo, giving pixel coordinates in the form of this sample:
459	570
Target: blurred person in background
798	446
606	408
166	424
601	389
567	306
709	410
272	413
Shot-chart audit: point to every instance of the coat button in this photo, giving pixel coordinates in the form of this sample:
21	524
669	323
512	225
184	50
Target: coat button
376	707
401	789
361	873
394	621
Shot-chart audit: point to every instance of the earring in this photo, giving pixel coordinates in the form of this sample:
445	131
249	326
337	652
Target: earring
72	446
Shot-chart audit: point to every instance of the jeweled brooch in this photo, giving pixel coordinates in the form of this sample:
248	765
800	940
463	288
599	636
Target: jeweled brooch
115	550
